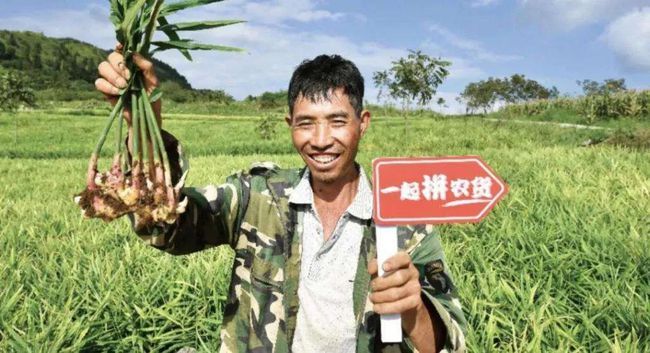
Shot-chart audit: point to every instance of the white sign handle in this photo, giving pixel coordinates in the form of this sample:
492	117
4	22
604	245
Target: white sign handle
391	324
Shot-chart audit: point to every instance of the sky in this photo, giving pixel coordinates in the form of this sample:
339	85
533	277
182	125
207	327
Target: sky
555	42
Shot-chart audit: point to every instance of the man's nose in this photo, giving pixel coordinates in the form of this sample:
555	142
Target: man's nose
322	136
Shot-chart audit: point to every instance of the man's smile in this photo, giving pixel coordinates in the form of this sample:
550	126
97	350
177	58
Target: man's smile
324	159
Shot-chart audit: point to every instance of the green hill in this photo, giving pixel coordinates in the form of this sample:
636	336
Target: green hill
62	62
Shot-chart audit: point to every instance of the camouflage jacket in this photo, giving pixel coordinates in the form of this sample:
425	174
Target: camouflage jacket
251	214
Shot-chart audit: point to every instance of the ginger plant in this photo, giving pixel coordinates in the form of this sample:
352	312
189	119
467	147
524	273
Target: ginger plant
141	184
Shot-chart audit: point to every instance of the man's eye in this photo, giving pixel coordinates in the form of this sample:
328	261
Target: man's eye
339	122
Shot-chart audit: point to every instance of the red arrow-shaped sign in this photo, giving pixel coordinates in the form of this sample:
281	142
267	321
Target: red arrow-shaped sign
455	189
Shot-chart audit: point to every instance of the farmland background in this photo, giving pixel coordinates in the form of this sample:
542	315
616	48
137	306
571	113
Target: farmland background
562	264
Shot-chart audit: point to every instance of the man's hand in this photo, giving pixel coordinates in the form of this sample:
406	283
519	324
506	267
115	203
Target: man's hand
114	76
399	292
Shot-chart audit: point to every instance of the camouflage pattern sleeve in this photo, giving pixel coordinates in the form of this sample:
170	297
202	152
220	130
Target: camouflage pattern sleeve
207	216
438	290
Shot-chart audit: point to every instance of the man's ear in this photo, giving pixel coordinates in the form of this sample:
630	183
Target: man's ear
365	121
287	119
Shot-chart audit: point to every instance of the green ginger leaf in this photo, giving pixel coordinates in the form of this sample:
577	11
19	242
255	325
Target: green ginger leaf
190	45
195	26
172	35
155	95
116	14
130	17
184	4
151	23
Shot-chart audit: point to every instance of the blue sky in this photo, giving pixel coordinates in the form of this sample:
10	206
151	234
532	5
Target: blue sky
553	41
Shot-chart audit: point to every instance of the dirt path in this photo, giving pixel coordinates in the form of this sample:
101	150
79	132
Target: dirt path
216	116
564	125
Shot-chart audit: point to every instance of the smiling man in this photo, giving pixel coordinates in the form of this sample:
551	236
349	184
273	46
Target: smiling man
304	275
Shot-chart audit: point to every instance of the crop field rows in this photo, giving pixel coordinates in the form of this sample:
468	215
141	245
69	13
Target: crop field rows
562	264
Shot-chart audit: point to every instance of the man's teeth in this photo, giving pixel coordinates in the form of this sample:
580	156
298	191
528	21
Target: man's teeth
324	159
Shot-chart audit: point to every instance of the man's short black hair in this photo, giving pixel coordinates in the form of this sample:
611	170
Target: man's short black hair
315	78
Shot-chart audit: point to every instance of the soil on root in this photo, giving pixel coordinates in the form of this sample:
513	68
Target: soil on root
112	208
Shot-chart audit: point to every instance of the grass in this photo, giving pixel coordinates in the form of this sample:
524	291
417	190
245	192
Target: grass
561	265
63	135
96	105
566	116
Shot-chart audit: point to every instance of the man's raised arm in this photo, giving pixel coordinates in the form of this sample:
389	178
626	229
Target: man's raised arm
207	216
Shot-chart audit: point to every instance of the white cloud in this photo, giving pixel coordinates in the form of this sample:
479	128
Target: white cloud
272	12
274	47
90	25
483	3
471	47
463	69
272	54
565	15
629	38
627	22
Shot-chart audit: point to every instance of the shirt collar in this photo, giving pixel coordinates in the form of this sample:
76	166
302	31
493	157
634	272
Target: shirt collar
361	206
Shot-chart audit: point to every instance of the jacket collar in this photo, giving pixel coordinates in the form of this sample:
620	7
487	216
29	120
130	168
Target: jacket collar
361	206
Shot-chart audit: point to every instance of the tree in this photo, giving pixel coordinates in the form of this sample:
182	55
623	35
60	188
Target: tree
213	96
441	102
175	92
14	92
271	100
35	55
614	86
412	79
53	63
3	51
589	87
517	88
483	94
520	89
609	86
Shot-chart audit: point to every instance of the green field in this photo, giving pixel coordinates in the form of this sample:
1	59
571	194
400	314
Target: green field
561	264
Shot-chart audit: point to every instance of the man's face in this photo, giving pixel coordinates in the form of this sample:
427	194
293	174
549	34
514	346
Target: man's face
326	133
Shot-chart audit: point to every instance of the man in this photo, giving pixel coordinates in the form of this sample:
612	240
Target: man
304	240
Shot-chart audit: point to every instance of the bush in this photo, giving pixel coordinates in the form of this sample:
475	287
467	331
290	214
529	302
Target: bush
212	96
270	100
638	139
15	92
266	128
177	93
628	104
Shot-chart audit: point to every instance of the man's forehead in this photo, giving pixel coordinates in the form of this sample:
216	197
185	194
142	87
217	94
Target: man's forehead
333	95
